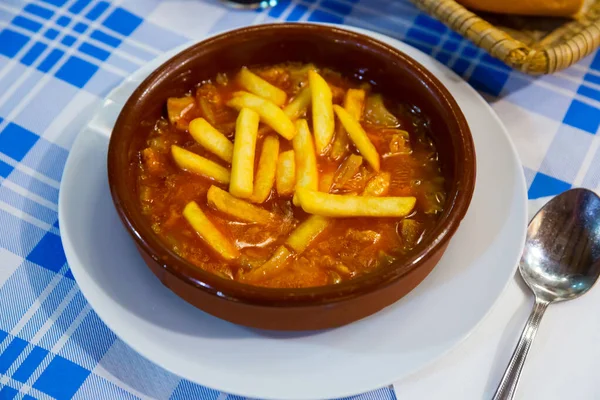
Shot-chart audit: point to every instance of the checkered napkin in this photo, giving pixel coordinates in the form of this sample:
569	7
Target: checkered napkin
59	58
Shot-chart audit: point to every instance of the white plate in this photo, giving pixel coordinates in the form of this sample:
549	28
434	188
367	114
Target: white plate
362	356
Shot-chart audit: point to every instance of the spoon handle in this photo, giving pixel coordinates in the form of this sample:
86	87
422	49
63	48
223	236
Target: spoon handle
508	385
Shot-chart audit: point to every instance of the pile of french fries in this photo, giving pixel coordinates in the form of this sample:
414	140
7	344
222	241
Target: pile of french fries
293	174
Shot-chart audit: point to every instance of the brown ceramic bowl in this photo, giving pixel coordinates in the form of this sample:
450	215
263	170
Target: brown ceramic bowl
392	73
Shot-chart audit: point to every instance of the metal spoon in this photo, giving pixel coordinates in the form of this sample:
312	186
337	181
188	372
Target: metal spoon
561	261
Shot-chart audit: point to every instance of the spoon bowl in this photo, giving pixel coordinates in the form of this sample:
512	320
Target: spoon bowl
561	261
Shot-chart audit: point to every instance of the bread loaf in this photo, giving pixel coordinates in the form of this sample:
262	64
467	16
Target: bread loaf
557	8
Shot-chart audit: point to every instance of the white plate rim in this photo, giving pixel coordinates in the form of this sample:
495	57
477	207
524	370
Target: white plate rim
412	52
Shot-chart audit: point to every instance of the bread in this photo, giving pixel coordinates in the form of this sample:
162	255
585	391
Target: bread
556	8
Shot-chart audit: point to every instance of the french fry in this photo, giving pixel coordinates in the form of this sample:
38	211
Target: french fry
177	107
299	104
267	166
298	241
192	162
378	185
285	179
209	233
236	208
244	148
354	102
269	268
358	135
307	232
307	175
322	111
269	113
258	86
211	139
332	205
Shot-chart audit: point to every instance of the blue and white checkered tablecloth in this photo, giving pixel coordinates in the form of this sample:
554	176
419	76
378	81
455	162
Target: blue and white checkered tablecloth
59	58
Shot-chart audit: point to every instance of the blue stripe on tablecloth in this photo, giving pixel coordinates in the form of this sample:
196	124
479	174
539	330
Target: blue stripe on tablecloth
324	16
23	238
26	23
122	21
68	40
50	60
30	364
34	52
7	392
51	33
105	38
380	394
77	71
149	379
23	90
11	42
47	158
98	9
94	51
5	169
57	3
34	185
593	78
63	20
583	116
188	390
88	343
63	322
61	378
29	206
95	385
39	10
297	12
278	10
10	353
78	6
80	27
20	291
47	308
546	185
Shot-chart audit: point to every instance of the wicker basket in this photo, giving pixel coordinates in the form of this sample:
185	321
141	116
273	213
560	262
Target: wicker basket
534	45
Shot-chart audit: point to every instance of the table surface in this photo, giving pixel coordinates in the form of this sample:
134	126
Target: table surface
59	58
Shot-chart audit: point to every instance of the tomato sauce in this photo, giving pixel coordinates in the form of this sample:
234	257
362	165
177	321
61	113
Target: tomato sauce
350	246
